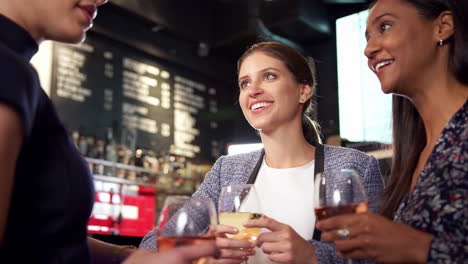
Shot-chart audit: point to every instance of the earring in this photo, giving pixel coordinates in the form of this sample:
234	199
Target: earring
441	42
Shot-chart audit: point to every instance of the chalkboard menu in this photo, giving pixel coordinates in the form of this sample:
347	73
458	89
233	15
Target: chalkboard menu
102	83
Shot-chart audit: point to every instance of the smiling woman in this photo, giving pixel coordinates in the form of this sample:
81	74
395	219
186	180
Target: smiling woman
276	84
290	67
417	49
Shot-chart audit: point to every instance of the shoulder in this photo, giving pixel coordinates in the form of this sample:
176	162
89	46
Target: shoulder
340	157
449	157
241	158
333	153
238	167
19	78
20	87
13	68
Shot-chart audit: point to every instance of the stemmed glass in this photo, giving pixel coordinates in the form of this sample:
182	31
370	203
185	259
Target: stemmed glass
340	192
185	220
238	204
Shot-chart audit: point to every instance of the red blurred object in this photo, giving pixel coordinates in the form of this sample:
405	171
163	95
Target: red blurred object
144	223
142	190
135	218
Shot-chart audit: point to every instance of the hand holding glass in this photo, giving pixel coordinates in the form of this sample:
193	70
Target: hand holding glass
340	192
185	221
238	204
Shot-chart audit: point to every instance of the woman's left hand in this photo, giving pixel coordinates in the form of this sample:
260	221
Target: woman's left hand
282	244
376	238
179	255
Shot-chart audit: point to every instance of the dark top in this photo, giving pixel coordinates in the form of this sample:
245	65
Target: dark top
439	201
53	191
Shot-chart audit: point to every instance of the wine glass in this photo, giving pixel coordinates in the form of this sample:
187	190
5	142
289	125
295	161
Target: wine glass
185	220
340	192
238	204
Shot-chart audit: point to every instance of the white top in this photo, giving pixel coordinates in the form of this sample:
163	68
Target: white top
287	195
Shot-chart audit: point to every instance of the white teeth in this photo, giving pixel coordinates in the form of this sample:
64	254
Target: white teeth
259	105
381	64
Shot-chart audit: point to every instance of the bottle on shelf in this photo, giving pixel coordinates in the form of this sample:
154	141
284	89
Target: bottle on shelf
83	145
75	135
91	150
110	152
139	157
99	167
116	210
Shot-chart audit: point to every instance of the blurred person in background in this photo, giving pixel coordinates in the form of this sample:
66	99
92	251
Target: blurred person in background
46	189
276	84
419	52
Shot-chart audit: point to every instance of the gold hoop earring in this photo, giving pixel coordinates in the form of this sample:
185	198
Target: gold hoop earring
441	42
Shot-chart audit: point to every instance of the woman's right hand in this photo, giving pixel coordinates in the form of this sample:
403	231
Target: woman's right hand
376	238
232	251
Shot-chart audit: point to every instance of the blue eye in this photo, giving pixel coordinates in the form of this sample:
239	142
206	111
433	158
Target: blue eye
244	84
270	76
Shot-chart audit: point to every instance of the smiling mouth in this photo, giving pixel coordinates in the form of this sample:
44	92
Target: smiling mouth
90	11
260	105
376	68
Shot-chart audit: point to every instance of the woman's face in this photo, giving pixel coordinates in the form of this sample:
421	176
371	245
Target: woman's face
401	45
60	20
269	95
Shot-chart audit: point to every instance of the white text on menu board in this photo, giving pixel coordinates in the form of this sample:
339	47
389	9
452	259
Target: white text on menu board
139	79
186	104
70	79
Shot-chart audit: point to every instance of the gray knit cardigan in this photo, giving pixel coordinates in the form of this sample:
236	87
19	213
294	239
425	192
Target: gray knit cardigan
236	169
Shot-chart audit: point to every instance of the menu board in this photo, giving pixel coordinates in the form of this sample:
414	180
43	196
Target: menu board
101	84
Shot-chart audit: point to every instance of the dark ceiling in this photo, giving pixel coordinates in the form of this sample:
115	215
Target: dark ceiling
224	28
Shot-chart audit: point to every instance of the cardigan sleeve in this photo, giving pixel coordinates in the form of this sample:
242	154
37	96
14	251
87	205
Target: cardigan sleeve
373	184
211	185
